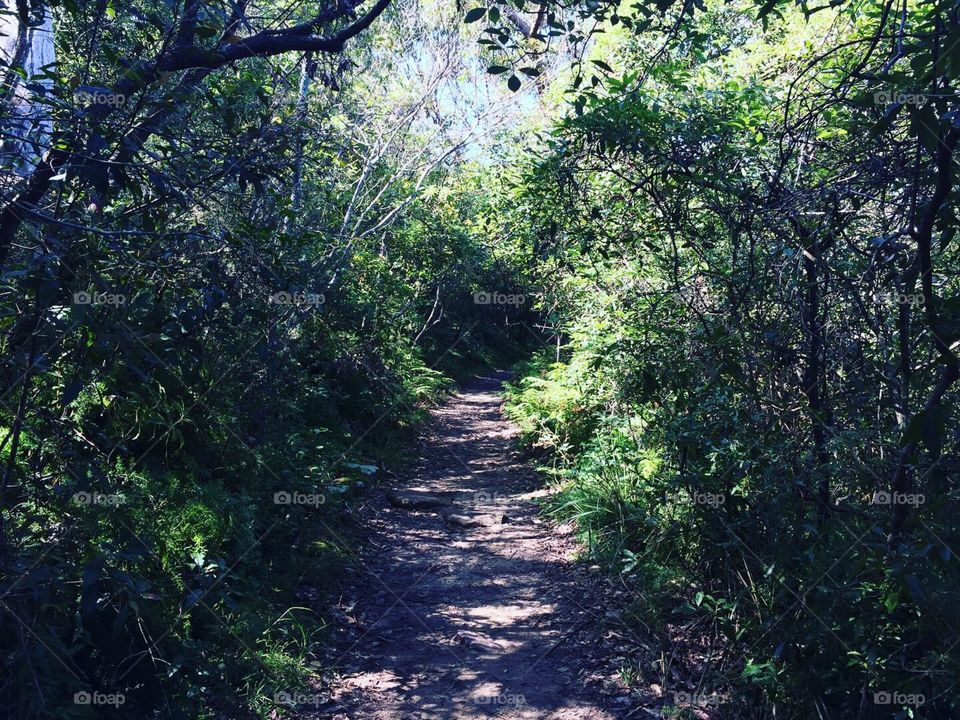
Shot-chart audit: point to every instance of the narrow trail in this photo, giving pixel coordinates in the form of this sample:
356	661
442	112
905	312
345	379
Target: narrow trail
456	618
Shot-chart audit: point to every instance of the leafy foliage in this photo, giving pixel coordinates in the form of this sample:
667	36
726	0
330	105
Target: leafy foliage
749	404
224	321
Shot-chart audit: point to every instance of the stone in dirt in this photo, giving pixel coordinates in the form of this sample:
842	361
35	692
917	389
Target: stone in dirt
476	641
469	521
414	501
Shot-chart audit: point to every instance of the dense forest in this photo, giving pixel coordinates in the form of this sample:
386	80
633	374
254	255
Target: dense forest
247	247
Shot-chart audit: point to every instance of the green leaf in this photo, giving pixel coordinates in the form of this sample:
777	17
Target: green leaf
751	669
914	588
926	126
70	393
928	427
48	291
949	61
90	585
766	8
891	601
476	14
884	123
497	69
513	83
192	598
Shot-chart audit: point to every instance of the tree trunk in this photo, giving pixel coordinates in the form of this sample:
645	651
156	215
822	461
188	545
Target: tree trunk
814	380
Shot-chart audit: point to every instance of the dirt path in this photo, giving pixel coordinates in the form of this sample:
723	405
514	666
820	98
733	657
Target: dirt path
456	621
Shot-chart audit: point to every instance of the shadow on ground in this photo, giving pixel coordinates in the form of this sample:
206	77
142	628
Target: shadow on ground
469	605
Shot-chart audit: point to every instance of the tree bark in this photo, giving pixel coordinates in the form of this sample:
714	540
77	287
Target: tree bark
813	375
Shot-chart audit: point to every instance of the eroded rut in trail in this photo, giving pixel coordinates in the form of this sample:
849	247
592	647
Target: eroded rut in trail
469	605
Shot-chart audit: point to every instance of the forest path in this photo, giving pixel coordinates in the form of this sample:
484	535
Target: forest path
455	620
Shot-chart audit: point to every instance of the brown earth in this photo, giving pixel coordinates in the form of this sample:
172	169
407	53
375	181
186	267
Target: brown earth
468	604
